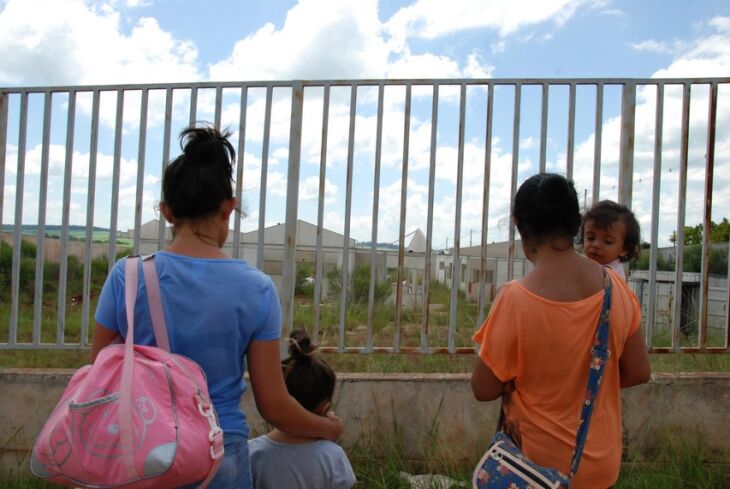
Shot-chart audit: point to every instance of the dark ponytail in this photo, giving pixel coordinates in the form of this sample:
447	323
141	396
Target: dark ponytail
196	183
546	205
309	379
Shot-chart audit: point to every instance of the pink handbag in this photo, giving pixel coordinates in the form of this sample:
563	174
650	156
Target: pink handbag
139	417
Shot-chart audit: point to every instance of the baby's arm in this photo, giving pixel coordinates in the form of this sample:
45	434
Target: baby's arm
275	404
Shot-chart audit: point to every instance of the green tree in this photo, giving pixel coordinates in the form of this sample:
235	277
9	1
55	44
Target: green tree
693	234
720	233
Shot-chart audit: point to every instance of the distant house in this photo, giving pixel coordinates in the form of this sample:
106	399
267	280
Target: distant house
386	258
149	231
666	293
495	273
306	247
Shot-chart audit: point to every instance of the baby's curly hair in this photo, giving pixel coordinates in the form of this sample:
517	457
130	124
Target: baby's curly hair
607	212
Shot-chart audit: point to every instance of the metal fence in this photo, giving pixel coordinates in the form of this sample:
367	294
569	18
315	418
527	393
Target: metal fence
92	156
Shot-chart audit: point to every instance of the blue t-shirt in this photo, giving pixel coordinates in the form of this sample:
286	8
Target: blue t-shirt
213	309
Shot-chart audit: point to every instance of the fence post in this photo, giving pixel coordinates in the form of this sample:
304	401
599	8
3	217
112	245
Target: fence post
288	279
626	156
3	142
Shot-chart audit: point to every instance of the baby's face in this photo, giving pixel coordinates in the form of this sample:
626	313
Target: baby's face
604	245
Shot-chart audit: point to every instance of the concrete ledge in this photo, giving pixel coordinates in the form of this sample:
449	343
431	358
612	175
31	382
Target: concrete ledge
428	417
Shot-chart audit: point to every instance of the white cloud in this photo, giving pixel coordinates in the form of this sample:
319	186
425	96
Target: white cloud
706	56
319	39
309	190
75	43
475	68
653	46
434	18
425	65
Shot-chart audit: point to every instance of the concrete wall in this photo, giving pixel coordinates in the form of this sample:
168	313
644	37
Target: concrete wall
432	416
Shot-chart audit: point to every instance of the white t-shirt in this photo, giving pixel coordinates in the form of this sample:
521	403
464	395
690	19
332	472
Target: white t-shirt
618	267
321	464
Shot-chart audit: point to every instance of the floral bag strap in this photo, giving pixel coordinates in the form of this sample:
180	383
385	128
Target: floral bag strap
599	356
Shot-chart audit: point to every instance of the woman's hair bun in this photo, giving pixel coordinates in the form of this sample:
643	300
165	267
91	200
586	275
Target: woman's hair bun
300	345
206	144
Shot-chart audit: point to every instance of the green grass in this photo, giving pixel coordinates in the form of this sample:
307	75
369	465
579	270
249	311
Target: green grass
376	362
677	466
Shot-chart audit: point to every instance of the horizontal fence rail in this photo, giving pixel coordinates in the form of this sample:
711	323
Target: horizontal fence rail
379	207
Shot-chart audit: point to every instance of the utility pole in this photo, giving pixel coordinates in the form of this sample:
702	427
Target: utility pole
470	231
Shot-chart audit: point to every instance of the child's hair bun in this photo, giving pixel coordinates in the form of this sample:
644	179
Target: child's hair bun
300	346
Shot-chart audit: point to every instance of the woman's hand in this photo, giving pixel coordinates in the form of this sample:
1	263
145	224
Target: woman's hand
337	426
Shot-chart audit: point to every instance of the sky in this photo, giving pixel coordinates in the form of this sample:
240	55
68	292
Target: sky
76	42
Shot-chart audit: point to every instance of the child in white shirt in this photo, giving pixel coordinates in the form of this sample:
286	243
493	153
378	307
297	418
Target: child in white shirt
281	460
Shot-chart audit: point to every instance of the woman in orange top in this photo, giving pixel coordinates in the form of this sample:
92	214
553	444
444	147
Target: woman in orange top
535	344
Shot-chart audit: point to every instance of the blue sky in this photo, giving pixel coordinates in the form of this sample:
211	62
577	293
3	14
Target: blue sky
47	42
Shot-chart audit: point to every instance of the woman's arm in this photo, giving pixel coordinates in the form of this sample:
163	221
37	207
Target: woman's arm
484	384
634	367
102	337
274	402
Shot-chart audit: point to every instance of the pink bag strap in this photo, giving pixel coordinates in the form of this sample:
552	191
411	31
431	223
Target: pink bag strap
126	437
154	298
159	326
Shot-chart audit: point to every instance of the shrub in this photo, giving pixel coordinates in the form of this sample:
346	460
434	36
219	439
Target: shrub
359	288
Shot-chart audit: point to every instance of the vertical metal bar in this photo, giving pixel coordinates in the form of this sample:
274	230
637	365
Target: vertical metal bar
571	134
289	273
40	255
319	259
429	218
655	193
90	196
513	184
141	153
218	103
348	205
597	139
264	175
165	161
3	148
193	105
402	223
18	228
374	228
707	228
239	171
115	179
681	199
727	303
485	204
456	276
626	156
543	127
67	176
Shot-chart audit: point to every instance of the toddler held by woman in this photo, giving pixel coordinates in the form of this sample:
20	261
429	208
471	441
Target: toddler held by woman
610	235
